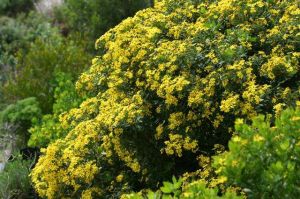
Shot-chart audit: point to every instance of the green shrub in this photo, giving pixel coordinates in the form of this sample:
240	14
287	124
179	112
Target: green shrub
37	69
263	158
48	128
21	113
16	119
195	189
17	34
17	31
15	181
166	88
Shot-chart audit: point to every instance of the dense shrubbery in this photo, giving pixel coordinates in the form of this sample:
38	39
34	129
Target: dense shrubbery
165	90
38	67
196	189
15	181
16	119
262	161
21	113
17	34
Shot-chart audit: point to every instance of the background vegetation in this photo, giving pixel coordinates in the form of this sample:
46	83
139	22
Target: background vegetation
15	181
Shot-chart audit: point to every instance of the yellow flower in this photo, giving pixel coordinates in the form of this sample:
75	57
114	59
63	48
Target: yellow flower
119	178
175	120
295	118
229	104
236	139
258	138
159	131
278	108
239	121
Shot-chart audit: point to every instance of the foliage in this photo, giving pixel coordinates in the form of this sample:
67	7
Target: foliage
95	17
17	34
15	181
166	87
262	158
16	119
48	128
198	189
195	189
21	113
38	66
172	188
13	7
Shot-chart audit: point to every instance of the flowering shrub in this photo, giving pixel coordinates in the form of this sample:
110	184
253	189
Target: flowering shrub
166	88
263	160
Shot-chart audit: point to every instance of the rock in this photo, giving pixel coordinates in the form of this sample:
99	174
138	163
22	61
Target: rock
46	6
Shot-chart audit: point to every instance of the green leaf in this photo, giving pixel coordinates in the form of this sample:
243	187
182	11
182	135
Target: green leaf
166	190
174	179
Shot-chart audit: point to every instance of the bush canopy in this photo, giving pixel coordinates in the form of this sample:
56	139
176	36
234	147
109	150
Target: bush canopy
166	88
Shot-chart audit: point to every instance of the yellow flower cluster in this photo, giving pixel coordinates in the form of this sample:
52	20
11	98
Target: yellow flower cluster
230	103
66	167
168	82
176	144
279	65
